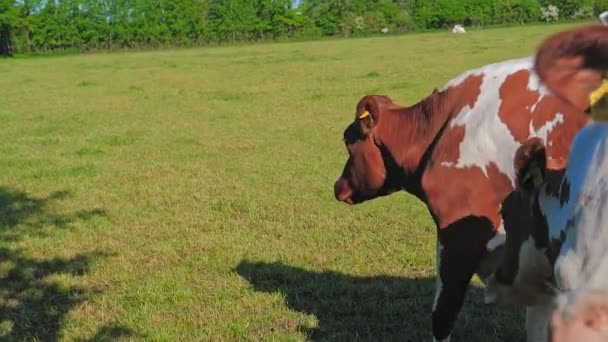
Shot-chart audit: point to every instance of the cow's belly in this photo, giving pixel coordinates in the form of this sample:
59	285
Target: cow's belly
529	285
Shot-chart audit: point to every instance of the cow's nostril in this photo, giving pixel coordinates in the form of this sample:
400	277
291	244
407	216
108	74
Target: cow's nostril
342	190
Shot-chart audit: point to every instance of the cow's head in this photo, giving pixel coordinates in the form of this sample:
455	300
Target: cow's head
522	276
574	63
370	170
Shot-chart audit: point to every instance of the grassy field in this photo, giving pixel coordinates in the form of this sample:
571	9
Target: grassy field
188	195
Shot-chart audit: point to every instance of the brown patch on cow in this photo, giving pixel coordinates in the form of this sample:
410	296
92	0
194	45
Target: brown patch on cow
469	89
467	93
481	193
425	119
471	192
560	139
546	111
516	105
521	107
452	137
501	184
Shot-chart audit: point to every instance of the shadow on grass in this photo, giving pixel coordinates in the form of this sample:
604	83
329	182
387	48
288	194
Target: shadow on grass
376	308
21	214
35	294
113	332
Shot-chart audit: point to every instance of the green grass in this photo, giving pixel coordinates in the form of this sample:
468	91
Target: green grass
187	195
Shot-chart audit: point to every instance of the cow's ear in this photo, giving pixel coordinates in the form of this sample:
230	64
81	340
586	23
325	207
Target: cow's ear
369	111
531	166
573	63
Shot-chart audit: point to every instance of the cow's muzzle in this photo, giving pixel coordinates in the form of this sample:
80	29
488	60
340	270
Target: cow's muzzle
343	191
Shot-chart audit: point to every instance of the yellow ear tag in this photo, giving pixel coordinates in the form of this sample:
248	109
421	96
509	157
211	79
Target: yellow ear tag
599	93
364	114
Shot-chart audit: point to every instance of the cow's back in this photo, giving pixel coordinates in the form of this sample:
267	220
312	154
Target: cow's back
471	168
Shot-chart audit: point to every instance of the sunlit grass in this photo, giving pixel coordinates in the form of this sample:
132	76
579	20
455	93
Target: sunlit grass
187	195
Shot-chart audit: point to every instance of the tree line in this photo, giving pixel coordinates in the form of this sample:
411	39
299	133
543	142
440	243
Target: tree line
28	26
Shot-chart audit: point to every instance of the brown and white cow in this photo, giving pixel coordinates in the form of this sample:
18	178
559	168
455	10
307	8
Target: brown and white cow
557	234
454	150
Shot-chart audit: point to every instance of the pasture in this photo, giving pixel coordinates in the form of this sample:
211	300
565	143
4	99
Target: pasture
188	194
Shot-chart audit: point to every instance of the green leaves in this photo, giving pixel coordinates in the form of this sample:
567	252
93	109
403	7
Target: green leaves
63	25
8	13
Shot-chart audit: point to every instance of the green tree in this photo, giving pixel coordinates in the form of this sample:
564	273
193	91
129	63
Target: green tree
8	20
233	20
568	9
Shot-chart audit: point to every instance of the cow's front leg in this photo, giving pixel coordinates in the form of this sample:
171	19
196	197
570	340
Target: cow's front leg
451	284
461	247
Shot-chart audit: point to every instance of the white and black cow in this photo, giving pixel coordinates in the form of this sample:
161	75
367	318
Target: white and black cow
557	229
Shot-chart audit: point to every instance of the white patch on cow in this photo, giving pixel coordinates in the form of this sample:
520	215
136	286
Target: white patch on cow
487	139
534	84
438	282
492	69
447	339
498	239
543	131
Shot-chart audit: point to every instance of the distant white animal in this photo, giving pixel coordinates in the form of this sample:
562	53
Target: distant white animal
604	18
458	29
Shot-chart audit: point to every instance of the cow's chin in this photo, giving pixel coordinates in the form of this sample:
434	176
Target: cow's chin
344	193
357	198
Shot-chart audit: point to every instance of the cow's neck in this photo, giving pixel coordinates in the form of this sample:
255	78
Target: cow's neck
408	133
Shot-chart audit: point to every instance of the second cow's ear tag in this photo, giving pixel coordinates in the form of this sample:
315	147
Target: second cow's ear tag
599	102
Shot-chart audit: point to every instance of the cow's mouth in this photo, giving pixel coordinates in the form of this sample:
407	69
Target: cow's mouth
343	191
